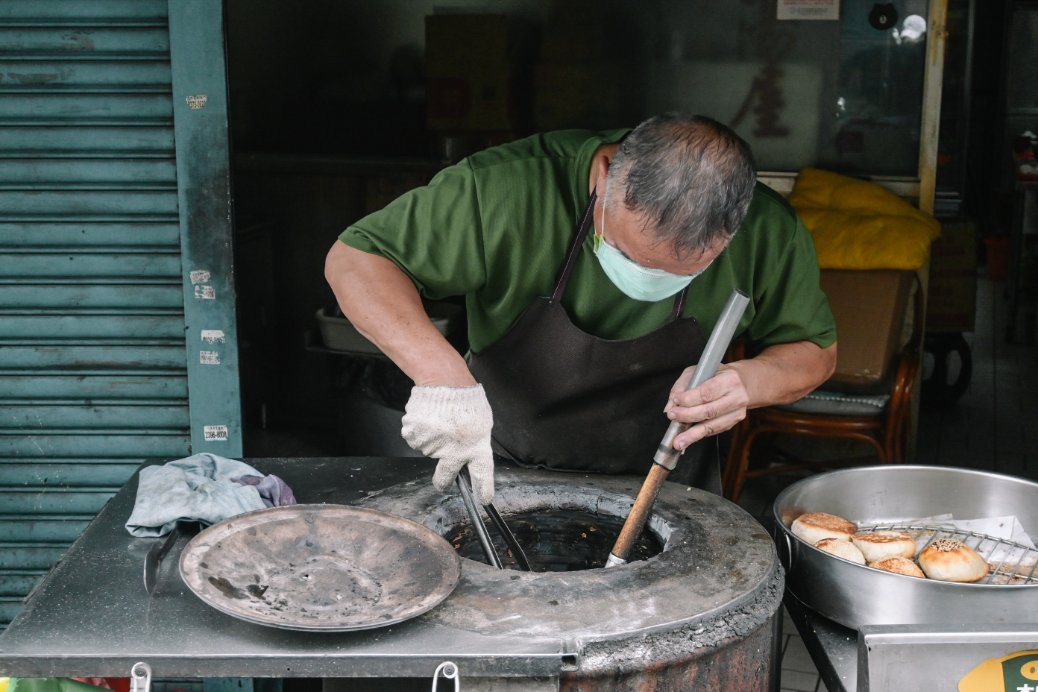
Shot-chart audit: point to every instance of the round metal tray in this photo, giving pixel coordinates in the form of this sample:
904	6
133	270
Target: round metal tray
320	567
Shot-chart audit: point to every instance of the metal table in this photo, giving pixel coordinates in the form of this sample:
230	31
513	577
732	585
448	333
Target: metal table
902	657
91	616
833	647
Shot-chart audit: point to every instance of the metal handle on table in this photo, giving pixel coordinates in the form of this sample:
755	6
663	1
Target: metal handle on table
140	677
155	556
449	672
153	559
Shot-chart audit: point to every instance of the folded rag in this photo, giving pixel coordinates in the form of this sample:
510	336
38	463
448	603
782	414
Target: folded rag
273	491
204	488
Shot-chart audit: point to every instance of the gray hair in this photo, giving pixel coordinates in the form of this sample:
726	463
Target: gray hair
689	177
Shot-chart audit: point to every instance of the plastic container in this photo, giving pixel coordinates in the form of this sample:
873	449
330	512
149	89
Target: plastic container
339	335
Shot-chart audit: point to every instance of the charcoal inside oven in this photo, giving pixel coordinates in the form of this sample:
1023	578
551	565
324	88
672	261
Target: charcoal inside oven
556	540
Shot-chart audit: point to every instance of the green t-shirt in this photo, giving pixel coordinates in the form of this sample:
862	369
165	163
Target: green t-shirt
495	228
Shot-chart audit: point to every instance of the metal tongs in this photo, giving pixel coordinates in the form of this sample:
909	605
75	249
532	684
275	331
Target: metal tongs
464	482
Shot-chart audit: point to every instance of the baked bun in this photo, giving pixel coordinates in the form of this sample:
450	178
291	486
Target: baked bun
841	548
814	526
898	565
948	559
876	545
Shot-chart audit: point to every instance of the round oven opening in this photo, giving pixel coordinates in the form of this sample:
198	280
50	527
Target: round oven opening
555	540
718	635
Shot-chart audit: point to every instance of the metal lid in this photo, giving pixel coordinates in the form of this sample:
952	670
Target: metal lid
320	567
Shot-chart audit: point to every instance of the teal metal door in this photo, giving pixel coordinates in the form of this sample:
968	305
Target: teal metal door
117	332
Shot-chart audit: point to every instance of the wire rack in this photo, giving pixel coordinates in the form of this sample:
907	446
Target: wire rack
1011	563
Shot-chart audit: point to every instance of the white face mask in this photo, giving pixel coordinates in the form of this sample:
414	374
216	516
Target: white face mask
634	280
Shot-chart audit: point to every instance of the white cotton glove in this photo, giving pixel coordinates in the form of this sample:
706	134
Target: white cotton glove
452	425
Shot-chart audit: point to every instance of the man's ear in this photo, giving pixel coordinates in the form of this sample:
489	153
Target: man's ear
601	172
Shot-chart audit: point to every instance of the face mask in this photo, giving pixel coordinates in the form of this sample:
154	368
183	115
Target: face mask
634	280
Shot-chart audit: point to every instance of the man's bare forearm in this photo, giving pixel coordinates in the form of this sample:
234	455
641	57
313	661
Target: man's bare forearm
784	373
383	304
780	374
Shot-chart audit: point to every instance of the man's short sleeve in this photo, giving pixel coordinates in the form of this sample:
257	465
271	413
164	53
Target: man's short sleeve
433	233
791	305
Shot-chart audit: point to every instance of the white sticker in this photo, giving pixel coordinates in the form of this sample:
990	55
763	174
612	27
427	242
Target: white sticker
215	433
196	102
200	276
209	357
808	9
213	336
205	293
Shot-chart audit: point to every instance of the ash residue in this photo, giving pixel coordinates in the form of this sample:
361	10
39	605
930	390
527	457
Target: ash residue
227	588
696	639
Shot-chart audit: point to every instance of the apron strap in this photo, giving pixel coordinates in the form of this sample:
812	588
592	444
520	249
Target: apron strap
679	303
574	252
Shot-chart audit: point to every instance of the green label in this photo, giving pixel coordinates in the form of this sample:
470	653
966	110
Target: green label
1017	672
1020	673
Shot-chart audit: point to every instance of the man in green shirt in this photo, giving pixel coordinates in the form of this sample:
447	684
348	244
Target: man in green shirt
580	342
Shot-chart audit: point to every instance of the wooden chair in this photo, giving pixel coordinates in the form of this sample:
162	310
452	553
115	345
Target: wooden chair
869	396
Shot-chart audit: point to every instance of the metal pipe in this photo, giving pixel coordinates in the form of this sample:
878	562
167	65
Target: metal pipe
716	346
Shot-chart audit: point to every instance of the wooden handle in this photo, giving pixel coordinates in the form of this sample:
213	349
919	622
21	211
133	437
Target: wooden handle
639	514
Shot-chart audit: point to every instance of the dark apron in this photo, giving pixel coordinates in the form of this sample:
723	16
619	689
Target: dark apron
566	400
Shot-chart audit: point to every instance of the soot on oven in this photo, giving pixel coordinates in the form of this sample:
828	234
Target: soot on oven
556	540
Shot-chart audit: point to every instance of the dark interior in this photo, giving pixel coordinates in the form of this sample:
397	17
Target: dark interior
334	109
561	540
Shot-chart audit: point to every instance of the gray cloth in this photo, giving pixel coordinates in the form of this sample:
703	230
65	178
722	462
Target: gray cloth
202	487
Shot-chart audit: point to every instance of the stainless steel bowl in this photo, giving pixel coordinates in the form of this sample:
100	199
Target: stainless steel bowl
855	595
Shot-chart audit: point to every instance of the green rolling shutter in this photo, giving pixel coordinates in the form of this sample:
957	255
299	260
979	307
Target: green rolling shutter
117	334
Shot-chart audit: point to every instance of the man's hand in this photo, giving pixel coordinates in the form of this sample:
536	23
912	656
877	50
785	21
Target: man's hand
711	408
781	374
452	425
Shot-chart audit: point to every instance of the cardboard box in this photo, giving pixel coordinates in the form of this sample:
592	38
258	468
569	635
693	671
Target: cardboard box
577	31
871	308
583	94
469	73
951	303
455	43
479	100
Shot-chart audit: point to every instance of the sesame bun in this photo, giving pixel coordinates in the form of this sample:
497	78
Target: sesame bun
876	545
814	526
950	560
841	548
898	565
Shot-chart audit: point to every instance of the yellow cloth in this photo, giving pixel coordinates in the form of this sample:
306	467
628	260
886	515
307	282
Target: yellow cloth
857	224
